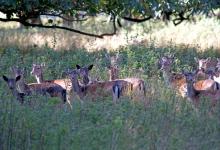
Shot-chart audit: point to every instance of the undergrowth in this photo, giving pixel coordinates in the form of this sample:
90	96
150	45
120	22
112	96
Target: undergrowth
165	122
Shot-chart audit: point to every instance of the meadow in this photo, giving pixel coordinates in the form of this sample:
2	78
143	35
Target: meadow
166	122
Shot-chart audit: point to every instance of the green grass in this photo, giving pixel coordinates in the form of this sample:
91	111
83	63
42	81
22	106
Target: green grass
167	122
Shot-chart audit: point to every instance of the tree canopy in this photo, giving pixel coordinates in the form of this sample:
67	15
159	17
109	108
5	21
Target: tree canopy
78	10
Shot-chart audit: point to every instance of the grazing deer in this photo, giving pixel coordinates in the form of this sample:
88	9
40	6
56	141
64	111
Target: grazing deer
54	90
178	81
11	82
194	94
99	89
37	71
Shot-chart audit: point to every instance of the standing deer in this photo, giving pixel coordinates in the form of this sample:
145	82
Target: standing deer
173	80
113	73
195	94
54	90
37	71
99	89
178	81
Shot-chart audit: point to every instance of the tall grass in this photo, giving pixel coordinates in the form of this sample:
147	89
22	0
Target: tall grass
166	122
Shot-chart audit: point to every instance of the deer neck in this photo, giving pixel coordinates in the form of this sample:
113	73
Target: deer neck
167	75
191	91
39	78
76	86
22	87
17	95
113	75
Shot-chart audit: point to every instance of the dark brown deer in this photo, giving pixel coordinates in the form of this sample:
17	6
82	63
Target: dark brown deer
53	89
11	82
37	71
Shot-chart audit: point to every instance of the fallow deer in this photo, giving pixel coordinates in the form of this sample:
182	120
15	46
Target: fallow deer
11	82
113	73
206	64
178	81
54	90
138	84
173	80
37	71
98	89
194	95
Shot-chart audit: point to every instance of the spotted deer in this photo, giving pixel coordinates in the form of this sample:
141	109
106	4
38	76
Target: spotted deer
54	90
98	89
177	81
113	73
37	71
196	94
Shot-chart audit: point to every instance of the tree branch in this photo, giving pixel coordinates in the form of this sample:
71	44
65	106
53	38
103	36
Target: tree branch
137	20
25	23
62	17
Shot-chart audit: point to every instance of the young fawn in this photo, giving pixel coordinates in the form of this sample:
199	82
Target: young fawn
37	71
194	94
11	82
178	81
54	90
98	89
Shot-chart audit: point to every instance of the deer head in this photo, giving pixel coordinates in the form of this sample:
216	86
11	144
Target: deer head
166	62
11	82
84	73
37	69
203	63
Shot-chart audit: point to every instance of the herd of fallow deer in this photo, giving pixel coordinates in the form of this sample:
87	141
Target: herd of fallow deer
204	82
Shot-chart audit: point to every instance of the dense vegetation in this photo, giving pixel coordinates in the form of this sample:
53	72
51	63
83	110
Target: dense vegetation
167	122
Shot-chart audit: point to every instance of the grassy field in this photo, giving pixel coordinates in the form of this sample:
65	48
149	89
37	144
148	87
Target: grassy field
167	122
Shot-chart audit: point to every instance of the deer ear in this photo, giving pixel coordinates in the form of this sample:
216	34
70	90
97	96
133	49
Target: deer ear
90	67
208	59
18	78
171	56
196	59
5	78
42	64
78	66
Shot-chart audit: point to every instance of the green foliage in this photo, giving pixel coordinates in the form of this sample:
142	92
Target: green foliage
167	122
132	10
